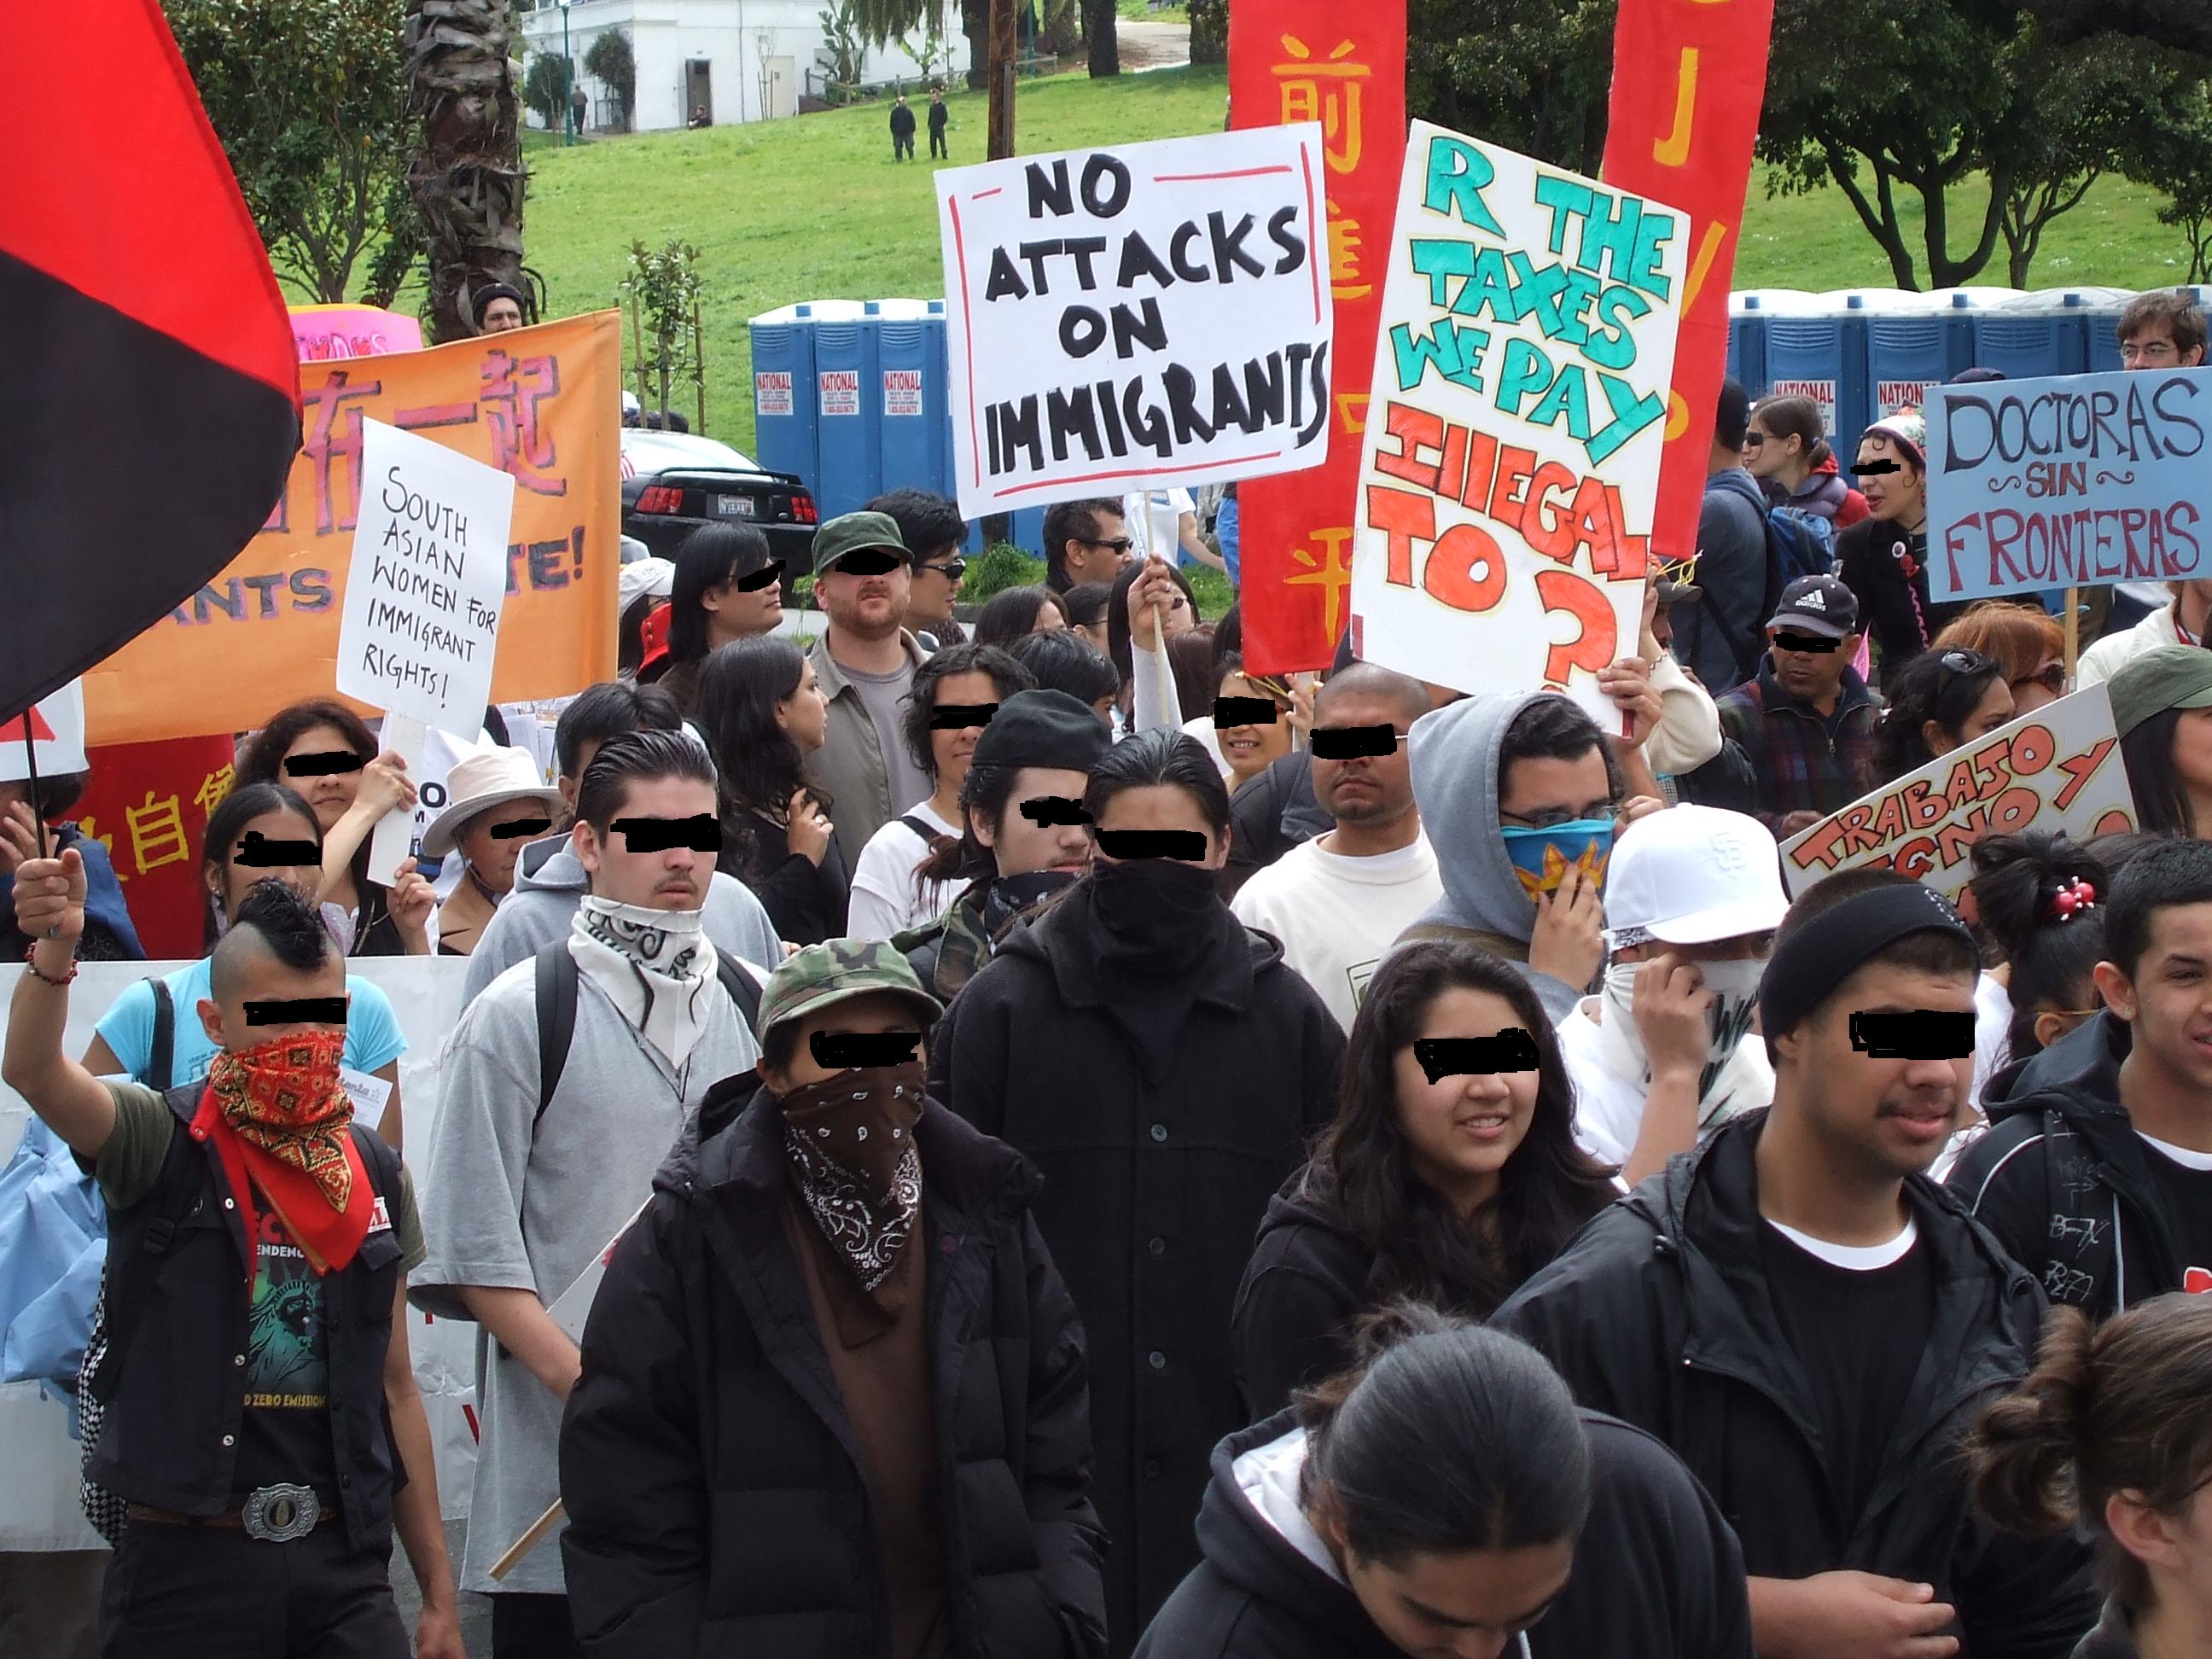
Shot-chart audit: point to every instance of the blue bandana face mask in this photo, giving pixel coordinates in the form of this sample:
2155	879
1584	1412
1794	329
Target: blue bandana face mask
1541	858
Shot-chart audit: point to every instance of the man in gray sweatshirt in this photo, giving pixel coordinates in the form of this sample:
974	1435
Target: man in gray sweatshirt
524	1188
1518	794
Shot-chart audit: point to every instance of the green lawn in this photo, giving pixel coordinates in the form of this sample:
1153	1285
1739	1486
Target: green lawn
814	208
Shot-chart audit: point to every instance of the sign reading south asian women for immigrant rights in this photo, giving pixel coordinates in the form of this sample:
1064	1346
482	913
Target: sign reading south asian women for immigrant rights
1511	460
2074	482
2058	768
1148	313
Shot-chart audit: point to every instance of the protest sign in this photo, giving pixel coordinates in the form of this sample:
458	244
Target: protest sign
426	581
1513	443
2077	481
1344	66
1145	313
322	333
539	404
2058	768
147	804
50	732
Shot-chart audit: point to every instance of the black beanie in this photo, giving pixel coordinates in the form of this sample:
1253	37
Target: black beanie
1042	728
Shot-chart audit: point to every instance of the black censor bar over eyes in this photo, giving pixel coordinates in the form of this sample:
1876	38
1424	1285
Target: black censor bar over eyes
959	716
520	829
258	852
701	834
1352	742
1810	642
1187	846
1512	1050
861	1051
325	765
869	562
1919	1034
767	576
1045	810
1245	711
298	1011
1875	469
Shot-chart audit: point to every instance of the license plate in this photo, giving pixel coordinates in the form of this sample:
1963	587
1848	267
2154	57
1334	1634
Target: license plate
736	507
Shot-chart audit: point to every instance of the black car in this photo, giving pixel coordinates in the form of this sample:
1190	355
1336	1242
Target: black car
675	482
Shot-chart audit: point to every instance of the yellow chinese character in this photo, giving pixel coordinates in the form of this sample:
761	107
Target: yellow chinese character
1330	571
157	834
213	788
1326	90
1344	243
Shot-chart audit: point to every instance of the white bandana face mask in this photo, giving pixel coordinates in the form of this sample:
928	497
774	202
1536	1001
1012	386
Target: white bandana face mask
1735	989
658	966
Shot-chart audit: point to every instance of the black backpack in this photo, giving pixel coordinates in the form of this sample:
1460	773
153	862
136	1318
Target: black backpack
557	985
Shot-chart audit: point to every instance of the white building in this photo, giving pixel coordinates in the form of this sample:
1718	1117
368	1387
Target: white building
737	60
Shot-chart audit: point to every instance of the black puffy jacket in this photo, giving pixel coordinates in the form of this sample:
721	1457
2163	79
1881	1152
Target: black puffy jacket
1659	1314
716	1506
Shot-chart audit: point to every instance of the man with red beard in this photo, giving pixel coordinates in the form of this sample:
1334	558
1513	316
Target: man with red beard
1809	1321
261	1422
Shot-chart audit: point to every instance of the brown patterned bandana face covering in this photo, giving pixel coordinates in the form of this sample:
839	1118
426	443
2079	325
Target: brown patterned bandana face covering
850	1143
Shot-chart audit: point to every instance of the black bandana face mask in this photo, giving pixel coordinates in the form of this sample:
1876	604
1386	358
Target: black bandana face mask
1150	909
1007	896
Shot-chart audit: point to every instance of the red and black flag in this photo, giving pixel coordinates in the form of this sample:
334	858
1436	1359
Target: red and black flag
149	388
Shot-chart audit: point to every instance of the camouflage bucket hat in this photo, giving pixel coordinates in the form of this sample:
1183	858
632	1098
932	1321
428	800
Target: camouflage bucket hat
836	971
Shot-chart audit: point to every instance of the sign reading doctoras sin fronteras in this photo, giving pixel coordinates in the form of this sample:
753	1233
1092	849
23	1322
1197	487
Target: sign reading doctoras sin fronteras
1126	317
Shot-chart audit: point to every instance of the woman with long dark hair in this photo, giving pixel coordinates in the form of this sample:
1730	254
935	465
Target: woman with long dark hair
322	749
727	588
1007	616
2109	1438
2163	710
1452	1189
257	832
1939	702
762	715
1786	449
1444	1496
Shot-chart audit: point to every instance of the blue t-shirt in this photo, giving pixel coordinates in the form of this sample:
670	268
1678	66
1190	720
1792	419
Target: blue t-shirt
373	1034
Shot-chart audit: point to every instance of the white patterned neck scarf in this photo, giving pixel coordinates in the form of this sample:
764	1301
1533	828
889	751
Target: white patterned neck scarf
658	966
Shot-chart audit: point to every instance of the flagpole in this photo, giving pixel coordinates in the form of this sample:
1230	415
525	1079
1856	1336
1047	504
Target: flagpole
31	763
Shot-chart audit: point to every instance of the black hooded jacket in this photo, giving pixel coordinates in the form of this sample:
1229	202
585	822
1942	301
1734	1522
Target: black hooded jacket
1157	1166
1659	1313
2065	1181
1657	1574
716	1502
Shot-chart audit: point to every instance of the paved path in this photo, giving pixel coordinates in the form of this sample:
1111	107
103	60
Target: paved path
1151	45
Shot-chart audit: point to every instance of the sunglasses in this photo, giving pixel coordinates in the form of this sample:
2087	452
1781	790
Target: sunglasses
952	569
2052	677
1953	663
1119	545
1754	440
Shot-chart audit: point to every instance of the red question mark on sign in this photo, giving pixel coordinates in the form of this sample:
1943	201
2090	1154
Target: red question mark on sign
1594	646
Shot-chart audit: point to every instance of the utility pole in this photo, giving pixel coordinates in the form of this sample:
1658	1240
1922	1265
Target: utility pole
568	82
1004	47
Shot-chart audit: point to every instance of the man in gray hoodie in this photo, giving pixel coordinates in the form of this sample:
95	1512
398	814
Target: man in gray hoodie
541	1157
1518	794
549	883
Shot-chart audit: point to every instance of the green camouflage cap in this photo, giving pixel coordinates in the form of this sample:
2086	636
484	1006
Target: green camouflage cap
853	533
837	970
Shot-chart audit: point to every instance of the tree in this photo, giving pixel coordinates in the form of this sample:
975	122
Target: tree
309	99
2180	164
467	172
2184	25
1532	75
1209	31
844	56
545	86
609	58
1101	22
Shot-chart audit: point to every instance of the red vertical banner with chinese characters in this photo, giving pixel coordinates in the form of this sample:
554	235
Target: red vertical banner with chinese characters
1688	78
1345	67
147	804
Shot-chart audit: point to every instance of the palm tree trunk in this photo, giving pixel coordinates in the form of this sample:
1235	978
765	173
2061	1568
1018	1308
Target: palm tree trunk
467	173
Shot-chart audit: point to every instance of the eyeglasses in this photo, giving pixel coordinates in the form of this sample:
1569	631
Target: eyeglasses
1550	818
952	569
1119	545
2052	677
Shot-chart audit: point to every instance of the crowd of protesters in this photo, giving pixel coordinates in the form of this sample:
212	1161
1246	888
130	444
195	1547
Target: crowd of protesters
1110	1151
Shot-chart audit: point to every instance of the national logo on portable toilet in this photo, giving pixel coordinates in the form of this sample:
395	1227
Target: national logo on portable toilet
1890	396
772	391
1822	393
840	389
902	393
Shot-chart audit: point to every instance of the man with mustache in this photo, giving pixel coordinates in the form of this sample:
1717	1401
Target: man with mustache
1810	1322
548	1145
865	663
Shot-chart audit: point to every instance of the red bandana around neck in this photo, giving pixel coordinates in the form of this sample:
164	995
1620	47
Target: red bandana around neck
280	1122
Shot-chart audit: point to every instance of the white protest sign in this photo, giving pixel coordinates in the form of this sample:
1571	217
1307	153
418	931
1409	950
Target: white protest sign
428	575
1510	463
2057	768
2074	482
573	1305
55	727
1154	312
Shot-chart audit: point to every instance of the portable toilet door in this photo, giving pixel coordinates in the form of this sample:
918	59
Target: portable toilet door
1746	348
1913	345
1822	355
2020	340
784	392
909	394
848	445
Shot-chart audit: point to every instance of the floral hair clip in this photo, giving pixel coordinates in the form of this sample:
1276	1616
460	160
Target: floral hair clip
2071	896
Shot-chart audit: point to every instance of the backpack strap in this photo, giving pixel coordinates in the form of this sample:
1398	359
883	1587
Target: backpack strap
930	837
556	1019
744	991
125	1294
161	1062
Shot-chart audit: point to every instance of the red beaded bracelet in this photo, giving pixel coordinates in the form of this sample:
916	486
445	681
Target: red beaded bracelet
28	961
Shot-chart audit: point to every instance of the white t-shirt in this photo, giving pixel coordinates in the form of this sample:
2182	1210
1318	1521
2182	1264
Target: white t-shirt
1337	916
883	896
1154	517
1609	1108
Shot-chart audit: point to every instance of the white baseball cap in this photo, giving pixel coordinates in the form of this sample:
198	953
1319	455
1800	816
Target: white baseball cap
1689	875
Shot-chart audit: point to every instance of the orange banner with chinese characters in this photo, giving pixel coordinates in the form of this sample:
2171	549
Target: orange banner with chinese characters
542	404
1345	67
1688	78
147	804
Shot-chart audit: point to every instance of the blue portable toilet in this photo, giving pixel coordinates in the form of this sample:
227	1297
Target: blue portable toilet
2101	325
784	392
1913	343
1818	350
848	444
910	395
1746	347
2011	336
